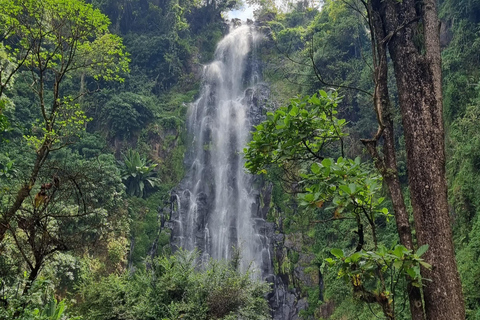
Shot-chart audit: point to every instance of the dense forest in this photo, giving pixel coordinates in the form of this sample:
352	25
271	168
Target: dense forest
365	156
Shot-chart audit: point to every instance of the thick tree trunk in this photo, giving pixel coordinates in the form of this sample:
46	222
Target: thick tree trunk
416	57
387	165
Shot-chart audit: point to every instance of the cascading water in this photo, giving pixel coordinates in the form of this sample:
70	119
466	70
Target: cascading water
217	206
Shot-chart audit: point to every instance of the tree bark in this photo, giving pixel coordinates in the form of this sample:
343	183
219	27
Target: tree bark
413	43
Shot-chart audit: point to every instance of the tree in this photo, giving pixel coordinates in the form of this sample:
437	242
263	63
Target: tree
55	41
410	31
77	208
70	210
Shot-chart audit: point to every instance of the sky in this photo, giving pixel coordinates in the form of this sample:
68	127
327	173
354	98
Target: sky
244	13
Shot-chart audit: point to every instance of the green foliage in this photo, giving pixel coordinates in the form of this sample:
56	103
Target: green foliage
137	173
301	131
174	288
323	50
56	42
71	24
463	170
461	9
164	37
460	80
71	222
7	169
299	135
463	165
4	123
378	274
461	103
126	113
350	186
298	138
89	145
143	110
77	204
146	233
40	304
469	269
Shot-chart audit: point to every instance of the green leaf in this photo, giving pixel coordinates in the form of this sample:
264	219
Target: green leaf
425	265
294	111
411	272
345	189
355	257
382	251
315	168
327	162
280	125
314	100
398	264
399	251
287	120
276	116
309	197
352	187
337	253
422	250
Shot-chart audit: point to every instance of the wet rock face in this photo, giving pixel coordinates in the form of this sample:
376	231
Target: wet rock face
257	99
286	301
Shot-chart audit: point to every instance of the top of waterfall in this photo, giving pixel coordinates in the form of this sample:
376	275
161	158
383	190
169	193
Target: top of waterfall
237	22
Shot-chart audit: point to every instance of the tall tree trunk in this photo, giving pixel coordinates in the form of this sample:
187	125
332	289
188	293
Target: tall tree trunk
387	165
413	42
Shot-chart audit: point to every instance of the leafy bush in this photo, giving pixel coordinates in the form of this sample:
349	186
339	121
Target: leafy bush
126	113
176	287
38	304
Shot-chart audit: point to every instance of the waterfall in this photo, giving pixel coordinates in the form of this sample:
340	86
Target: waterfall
216	209
217	204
